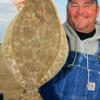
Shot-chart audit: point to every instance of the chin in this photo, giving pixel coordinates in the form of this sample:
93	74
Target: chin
81	27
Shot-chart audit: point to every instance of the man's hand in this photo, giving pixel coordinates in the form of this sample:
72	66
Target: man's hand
19	3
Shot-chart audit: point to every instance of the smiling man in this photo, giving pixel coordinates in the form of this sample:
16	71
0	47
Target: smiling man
79	78
82	14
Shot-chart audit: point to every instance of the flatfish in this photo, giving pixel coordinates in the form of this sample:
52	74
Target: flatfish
35	46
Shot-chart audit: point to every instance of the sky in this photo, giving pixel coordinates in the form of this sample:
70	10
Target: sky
8	10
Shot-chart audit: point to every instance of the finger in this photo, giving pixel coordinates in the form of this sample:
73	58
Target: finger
18	1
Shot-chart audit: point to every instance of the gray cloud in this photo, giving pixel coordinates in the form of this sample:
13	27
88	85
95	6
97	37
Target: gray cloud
7	12
7	8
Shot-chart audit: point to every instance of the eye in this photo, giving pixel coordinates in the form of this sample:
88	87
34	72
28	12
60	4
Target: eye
74	5
87	5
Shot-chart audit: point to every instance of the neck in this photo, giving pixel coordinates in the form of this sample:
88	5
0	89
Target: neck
83	35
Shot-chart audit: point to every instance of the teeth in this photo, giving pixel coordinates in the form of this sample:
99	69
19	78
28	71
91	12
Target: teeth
80	18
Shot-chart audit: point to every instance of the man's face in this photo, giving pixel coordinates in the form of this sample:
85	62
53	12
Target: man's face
82	15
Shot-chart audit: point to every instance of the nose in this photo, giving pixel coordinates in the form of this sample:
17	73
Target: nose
80	10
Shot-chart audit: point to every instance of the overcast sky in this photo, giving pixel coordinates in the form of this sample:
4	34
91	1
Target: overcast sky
8	11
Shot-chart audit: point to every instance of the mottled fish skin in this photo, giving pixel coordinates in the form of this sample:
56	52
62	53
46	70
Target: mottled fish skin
35	46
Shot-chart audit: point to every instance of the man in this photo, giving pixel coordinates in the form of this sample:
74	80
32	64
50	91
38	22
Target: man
79	78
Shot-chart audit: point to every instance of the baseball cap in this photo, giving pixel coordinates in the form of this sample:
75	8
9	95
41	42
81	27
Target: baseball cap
95	1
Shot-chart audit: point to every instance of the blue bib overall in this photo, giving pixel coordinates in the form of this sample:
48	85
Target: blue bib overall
72	83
